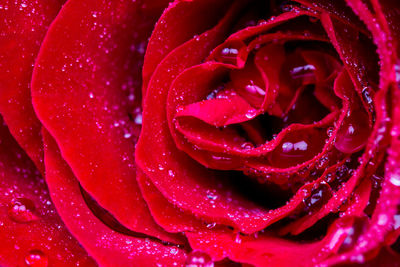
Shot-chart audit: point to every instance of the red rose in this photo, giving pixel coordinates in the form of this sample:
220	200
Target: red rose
200	133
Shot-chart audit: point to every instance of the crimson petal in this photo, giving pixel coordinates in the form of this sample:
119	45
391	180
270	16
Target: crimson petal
29	224
108	247
22	30
85	111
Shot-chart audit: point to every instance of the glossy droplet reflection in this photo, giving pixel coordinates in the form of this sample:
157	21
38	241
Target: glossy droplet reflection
254	93
21	210
251	113
318	197
354	132
36	258
198	258
230	53
297	148
395	179
289	147
304	72
300	71
353	233
223	162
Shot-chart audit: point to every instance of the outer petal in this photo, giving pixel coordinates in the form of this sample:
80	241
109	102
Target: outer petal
22	28
29	224
171	32
108	247
86	88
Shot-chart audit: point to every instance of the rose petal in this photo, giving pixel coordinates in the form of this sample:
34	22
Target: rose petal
29	224
171	32
171	218
22	30
108	247
83	86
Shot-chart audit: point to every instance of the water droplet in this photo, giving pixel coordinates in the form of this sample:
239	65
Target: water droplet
251	113
297	147
322	162
238	238
131	97
303	72
354	132
36	258
138	119
247	145
198	258
230	53
397	71
395	179
91	95
22	210
289	147
211	225
329	131
255	93
396	221
382	219
223	162
214	93
353	233
318	196
211	195
395	131
367	95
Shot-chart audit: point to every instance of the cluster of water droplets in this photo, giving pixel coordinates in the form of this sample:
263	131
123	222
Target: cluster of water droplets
22	210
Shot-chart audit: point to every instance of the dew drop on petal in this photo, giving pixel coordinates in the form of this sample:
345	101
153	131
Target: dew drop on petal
298	147
211	225
395	179
251	113
171	173
354	133
397	71
318	196
36	258
223	162
353	233
238	239
138	119
396	224
230	53
247	146
255	91
211	194
198	258
21	210
305	72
